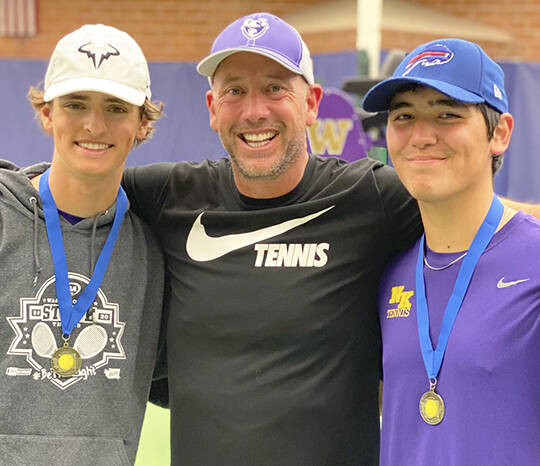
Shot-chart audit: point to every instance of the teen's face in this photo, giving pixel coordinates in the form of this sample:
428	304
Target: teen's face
439	146
93	132
260	111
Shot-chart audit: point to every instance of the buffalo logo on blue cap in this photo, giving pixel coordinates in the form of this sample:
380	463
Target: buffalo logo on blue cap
253	28
92	49
436	54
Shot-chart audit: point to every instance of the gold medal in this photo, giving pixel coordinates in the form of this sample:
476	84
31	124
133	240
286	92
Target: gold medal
66	361
432	406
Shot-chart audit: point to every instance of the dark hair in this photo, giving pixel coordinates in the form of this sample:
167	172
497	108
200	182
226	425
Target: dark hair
491	118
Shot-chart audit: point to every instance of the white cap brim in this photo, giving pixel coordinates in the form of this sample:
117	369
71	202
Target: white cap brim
114	88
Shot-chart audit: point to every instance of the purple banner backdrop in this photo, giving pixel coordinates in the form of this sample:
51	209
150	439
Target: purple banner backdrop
184	133
338	131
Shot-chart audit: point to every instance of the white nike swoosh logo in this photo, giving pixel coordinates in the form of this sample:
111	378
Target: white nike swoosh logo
201	247
503	284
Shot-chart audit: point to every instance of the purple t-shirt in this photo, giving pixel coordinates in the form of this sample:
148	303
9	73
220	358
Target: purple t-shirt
490	375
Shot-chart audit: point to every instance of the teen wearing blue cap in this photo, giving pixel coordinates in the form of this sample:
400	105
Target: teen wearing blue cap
460	310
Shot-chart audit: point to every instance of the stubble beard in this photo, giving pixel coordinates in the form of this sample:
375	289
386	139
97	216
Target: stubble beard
294	149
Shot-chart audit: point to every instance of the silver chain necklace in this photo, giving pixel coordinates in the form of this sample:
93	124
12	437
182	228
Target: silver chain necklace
507	212
444	266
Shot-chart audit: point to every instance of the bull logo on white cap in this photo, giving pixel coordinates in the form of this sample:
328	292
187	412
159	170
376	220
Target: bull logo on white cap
101	50
253	28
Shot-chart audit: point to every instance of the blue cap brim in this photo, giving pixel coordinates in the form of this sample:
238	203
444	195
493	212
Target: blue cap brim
379	97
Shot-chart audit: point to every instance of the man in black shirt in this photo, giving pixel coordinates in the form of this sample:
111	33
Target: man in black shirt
273	259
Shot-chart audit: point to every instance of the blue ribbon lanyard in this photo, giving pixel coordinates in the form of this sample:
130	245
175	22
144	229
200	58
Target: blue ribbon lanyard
433	358
71	314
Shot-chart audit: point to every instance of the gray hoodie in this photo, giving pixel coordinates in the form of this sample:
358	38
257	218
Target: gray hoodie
93	418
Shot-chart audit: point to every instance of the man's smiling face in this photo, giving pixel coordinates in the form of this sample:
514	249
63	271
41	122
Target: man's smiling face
260	111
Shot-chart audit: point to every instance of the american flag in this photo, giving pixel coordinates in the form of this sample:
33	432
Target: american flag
18	18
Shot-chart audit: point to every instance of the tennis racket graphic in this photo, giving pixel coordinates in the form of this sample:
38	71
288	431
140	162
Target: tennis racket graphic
88	344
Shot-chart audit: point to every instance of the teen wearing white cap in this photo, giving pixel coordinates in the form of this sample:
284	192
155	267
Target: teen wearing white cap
273	257
460	310
82	276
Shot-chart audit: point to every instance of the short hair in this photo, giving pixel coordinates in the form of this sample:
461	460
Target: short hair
150	110
491	116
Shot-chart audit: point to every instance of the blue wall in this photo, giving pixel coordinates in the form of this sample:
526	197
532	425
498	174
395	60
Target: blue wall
183	134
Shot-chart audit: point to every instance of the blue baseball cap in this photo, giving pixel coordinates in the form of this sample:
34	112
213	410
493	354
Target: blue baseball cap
264	34
455	67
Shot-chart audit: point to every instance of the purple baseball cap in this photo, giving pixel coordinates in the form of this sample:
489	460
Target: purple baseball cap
455	67
266	35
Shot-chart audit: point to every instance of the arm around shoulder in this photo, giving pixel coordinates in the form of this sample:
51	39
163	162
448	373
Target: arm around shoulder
403	221
144	186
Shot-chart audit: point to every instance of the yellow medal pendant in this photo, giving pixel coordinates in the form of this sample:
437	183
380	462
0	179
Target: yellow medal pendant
66	361
432	405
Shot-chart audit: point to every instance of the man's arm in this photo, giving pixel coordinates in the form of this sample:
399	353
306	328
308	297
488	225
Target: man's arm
145	187
403	223
532	209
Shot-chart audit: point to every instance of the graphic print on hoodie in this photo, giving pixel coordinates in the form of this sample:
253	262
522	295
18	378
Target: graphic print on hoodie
38	334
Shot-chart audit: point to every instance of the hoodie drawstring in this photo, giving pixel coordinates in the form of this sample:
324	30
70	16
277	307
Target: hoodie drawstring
37	265
93	241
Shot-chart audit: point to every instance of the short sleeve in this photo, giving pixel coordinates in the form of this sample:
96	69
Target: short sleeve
403	222
145	187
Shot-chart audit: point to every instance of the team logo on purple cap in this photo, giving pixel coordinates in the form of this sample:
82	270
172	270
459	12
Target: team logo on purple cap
101	50
253	28
436	54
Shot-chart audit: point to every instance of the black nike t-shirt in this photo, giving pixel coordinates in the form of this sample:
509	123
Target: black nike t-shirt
273	339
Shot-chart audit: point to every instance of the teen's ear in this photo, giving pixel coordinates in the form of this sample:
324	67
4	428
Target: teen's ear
45	115
502	134
142	130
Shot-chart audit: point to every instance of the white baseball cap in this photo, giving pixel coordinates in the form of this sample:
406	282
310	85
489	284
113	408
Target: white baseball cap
98	58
